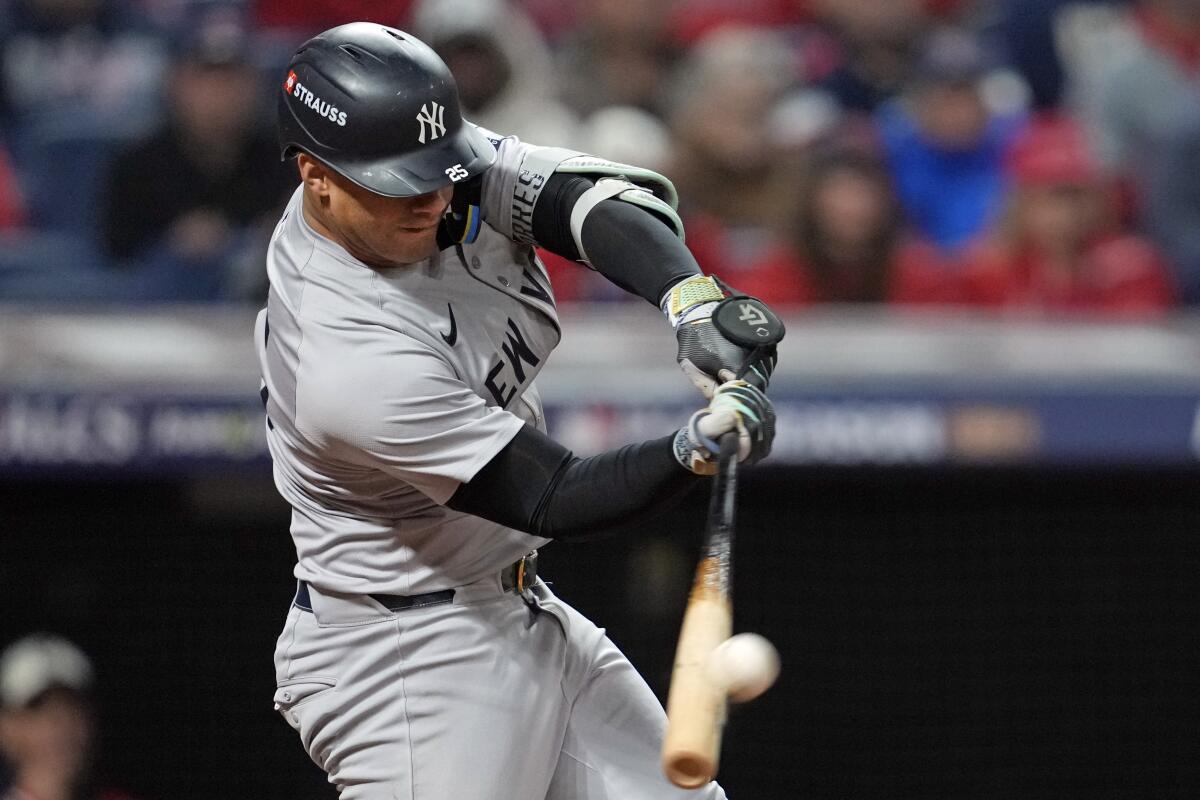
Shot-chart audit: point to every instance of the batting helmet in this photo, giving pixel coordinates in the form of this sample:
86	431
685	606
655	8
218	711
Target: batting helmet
381	108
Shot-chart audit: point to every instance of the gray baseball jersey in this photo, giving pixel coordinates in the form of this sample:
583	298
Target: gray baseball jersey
386	389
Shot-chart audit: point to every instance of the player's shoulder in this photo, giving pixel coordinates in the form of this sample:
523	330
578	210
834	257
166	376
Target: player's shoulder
514	154
514	182
497	139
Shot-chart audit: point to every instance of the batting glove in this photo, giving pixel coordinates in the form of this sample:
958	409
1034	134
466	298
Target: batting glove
718	343
735	405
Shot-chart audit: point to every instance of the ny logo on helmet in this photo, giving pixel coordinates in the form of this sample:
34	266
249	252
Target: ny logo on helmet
433	119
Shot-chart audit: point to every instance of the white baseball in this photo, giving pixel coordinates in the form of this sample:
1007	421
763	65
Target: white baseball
744	666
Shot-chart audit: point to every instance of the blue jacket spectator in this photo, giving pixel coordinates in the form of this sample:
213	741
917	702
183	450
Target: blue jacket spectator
945	147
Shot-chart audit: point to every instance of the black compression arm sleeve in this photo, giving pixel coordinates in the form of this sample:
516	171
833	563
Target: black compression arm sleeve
625	243
536	485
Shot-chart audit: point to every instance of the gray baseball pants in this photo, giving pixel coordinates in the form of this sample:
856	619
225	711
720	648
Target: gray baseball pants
492	696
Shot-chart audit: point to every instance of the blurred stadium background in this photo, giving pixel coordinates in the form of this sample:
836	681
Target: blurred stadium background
976	545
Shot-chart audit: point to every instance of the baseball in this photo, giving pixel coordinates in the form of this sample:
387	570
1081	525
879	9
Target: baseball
744	666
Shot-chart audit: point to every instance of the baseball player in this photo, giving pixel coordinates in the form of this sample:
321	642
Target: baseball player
407	319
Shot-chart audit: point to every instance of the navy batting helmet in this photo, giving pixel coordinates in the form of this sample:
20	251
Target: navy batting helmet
381	108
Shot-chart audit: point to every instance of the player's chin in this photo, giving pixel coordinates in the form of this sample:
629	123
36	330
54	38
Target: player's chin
411	245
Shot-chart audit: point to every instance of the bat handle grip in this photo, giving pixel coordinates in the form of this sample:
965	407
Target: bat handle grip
727	446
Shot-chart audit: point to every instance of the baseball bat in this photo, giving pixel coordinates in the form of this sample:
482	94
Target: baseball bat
695	707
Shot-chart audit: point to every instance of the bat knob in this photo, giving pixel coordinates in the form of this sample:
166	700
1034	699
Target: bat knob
689	770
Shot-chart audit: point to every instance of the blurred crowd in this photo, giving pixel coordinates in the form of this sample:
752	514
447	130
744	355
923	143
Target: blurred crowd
48	726
1027	155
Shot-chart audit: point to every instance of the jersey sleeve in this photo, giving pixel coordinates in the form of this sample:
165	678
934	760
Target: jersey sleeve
513	184
398	407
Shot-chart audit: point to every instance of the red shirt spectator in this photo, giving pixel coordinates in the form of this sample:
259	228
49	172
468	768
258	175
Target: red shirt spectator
850	247
12	206
1059	251
1114	274
574	282
914	276
317	15
691	20
1164	33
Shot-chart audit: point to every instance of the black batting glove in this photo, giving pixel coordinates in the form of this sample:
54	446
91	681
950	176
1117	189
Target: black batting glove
722	335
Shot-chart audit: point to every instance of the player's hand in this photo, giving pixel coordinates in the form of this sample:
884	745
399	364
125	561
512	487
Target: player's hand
736	405
722	336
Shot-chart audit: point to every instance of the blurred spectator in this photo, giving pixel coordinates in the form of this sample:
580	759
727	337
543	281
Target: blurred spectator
503	68
1137	75
735	196
1028	29
12	205
692	20
44	265
851	246
945	146
618	55
46	721
1058	250
305	18
77	79
186	200
75	63
1174	204
809	117
554	18
626	135
877	42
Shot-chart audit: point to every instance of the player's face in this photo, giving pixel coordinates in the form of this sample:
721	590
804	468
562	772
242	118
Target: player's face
377	230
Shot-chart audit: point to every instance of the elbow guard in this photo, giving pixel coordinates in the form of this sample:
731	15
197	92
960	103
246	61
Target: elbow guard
634	185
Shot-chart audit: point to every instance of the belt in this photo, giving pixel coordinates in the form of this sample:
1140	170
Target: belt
516	577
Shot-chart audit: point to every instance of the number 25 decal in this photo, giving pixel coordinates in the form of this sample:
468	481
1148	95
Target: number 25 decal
456	173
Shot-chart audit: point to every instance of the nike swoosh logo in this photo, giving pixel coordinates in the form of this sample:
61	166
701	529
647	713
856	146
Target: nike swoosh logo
451	337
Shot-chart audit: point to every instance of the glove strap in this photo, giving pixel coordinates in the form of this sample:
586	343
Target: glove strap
692	457
688	294
699	440
683	447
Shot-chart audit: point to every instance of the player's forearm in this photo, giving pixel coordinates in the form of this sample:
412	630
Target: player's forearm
536	485
613	492
636	251
625	243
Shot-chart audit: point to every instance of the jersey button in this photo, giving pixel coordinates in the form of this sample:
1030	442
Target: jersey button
503	280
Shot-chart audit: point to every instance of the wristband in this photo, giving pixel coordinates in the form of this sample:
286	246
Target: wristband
692	297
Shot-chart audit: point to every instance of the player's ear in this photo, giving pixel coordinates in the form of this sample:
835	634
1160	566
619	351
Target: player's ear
314	174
